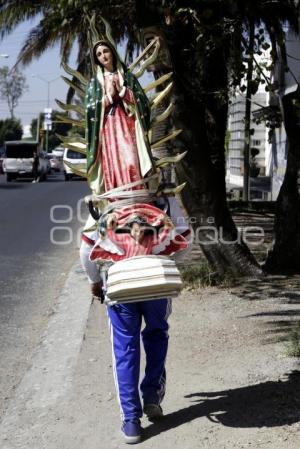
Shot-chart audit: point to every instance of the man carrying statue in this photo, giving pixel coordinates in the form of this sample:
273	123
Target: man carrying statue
117	114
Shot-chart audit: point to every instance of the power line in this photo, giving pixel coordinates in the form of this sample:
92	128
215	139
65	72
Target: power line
22	113
31	102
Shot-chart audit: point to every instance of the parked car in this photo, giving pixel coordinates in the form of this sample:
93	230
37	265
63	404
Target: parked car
55	164
18	160
76	159
58	152
54	161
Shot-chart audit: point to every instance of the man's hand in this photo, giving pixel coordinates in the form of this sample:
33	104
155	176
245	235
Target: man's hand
97	291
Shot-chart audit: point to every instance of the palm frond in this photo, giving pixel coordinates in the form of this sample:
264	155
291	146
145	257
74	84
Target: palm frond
82	79
70	107
94	33
170	136
108	32
143	54
64	119
171	190
157	82
74	86
160	96
13	13
83	67
72	139
148	61
75	170
66	43
163	116
76	146
164	161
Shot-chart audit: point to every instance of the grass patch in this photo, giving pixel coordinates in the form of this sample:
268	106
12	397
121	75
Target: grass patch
202	275
293	342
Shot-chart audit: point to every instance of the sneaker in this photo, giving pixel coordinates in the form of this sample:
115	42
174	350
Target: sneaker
153	411
132	432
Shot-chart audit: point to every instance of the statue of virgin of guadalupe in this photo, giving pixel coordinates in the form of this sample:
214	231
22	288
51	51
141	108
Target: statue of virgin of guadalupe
117	115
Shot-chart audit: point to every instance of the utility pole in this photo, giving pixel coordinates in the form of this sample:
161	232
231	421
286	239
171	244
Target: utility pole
47	110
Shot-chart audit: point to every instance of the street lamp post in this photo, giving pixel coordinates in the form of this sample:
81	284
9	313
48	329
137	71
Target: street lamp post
48	111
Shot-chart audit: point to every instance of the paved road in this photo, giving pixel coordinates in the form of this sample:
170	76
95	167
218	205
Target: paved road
34	261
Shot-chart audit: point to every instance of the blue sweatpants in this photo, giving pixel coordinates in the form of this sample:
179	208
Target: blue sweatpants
125	326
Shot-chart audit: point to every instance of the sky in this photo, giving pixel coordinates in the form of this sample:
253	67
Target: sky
46	67
46	70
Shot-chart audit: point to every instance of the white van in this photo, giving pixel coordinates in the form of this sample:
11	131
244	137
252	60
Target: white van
58	152
18	161
74	158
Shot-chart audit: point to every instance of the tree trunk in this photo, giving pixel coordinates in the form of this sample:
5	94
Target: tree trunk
205	194
201	112
246	187
285	255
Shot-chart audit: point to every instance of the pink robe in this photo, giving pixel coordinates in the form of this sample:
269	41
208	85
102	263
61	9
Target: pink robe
118	149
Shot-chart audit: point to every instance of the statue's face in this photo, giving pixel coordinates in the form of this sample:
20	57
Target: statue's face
137	232
105	56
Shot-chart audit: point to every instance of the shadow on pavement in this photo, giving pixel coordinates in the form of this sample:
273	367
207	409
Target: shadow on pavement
22	182
282	324
286	288
267	404
13	186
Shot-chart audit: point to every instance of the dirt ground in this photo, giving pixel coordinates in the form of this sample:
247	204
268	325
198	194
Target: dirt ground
230	381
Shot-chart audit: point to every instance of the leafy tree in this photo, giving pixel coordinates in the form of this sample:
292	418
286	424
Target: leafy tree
58	127
209	52
12	87
10	129
33	126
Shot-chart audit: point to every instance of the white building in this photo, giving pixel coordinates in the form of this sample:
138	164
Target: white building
271	159
236	126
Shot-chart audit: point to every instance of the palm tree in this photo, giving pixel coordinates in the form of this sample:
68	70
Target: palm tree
63	22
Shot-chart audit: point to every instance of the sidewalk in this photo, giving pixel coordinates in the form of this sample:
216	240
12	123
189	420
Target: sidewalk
230	384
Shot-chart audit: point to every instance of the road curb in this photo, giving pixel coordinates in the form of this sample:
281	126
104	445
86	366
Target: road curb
50	376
